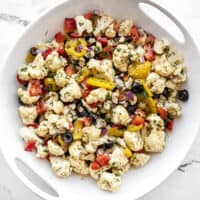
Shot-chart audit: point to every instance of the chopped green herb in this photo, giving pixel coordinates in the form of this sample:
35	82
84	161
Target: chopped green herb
23	69
80	23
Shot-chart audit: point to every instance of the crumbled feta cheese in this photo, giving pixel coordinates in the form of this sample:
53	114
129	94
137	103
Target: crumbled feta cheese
125	28
156	122
54	62
60	166
76	150
79	166
61	78
55	149
133	140
27	133
102	24
120	115
28	114
83	24
156	83
23	72
139	159
121	56
109	182
42	151
43	129
162	66
97	95
71	92
155	142
103	66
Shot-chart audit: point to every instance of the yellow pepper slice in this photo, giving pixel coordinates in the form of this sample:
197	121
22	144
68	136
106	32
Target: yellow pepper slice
100	83
139	70
84	73
29	58
115	132
61	142
50	84
127	152
78	133
76	47
133	128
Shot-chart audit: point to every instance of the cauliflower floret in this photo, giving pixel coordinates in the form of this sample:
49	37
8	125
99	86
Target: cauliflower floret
60	166
121	171
55	149
133	140
42	151
53	118
76	150
79	166
110	31
160	46
162	66
26	98
139	159
61	78
27	133
156	83
117	158
173	109
120	115
43	129
28	114
104	66
71	92
102	24
62	124
92	133
179	75
109	182
155	142
97	95
156	122
121	57
23	72
83	24
125	28
37	68
174	56
55	62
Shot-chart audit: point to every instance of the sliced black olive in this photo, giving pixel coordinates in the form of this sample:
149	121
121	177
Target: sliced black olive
33	51
81	111
20	101
156	96
137	87
92	116
166	92
183	95
131	109
67	137
108	145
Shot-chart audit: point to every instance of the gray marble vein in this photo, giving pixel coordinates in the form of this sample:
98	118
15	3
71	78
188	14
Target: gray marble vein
13	19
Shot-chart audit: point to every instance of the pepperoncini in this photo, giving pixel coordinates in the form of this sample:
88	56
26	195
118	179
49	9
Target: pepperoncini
127	152
115	132
78	132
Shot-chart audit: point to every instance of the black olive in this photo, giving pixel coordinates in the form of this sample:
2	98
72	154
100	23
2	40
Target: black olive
131	109
166	92
92	116
81	110
108	145
183	95
20	101
33	51
137	87
67	137
156	96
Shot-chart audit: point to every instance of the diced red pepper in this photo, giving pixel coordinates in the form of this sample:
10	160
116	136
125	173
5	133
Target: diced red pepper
89	15
23	82
102	40
40	107
138	120
149	55
87	121
85	85
95	166
59	37
169	125
30	146
150	39
85	93
35	125
93	105
61	52
103	159
46	53
135	33
35	88
69	70
116	25
69	25
75	35
108	49
162	112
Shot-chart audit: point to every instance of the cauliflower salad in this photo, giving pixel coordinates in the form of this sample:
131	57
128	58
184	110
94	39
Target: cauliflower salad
100	97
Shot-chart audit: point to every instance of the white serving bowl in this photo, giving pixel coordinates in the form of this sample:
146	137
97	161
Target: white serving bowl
136	182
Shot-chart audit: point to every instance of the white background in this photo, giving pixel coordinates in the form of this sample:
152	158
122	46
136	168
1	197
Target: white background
183	183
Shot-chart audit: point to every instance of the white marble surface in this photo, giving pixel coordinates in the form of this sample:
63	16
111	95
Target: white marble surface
184	182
